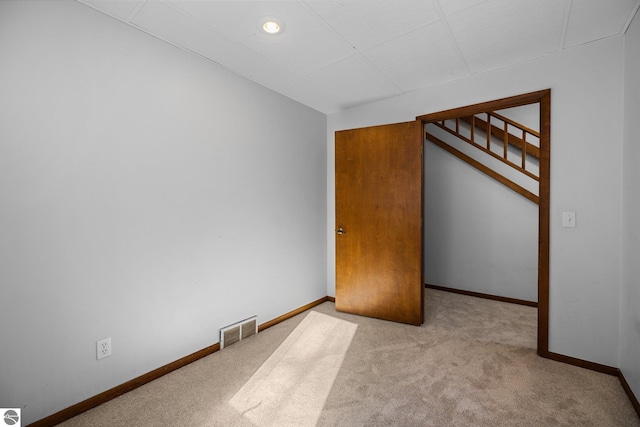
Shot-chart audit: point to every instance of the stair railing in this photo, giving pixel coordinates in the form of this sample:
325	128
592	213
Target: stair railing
500	133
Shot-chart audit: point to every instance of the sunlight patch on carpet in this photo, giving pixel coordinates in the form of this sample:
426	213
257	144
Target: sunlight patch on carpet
292	386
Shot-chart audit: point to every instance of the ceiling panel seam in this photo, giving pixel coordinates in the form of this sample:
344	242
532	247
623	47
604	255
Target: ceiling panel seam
565	24
241	45
209	27
356	51
134	12
453	37
633	14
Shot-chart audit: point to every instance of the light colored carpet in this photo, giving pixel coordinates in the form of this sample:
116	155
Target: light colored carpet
472	363
291	387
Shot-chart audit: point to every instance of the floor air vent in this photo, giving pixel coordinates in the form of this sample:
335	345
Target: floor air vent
238	331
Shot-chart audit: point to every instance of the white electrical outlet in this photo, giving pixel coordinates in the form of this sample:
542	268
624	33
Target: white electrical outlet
103	348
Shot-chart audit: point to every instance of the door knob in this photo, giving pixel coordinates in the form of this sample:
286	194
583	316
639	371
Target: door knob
340	230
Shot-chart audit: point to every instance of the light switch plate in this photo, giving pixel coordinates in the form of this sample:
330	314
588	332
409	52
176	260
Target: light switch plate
568	219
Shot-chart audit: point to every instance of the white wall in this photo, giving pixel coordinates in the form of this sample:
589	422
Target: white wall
630	295
480	236
586	154
146	195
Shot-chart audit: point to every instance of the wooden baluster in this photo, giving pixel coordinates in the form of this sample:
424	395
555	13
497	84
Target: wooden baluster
488	131
505	139
473	128
524	148
457	124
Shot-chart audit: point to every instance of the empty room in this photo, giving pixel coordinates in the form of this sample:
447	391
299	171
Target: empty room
319	212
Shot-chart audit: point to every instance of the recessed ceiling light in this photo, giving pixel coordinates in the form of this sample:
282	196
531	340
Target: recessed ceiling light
271	25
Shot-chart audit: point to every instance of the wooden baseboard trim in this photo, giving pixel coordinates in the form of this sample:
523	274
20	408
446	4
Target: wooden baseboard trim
481	295
108	395
609	370
605	369
291	314
121	389
627	389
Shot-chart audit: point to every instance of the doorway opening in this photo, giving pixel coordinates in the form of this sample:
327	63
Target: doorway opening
528	150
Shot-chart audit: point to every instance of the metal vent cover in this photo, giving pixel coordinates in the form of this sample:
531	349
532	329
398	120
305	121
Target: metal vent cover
238	331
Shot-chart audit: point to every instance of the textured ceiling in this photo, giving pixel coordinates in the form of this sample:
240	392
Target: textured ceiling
335	54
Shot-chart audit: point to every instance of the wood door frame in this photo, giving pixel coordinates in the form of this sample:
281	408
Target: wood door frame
543	98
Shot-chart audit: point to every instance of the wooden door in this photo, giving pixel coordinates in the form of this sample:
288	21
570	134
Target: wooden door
379	199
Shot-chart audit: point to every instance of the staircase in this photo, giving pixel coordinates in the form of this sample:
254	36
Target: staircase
498	146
